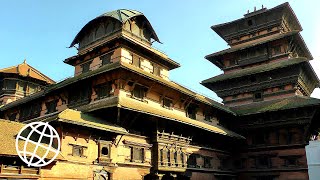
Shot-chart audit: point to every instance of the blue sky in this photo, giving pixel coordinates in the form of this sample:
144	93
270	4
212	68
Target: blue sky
40	31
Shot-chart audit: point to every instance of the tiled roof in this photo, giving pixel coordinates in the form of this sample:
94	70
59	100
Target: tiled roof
276	105
132	104
212	57
285	6
121	15
26	70
256	69
81	119
8	132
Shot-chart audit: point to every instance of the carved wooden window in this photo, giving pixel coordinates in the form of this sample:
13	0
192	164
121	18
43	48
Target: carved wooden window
139	91
257	96
30	111
167	103
10	84
291	161
277	49
207	162
21	86
51	106
137	154
79	95
86	67
250	22
106	59
233	62
252	53
260	138
103	90
136	61
239	163
192	111
32	88
192	161
78	150
104	151
156	70
263	162
208	115
243	55
12	116
290	139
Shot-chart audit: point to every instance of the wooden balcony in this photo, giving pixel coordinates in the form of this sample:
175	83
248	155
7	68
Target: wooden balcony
9	171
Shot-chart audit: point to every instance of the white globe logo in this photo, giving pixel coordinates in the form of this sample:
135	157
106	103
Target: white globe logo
39	139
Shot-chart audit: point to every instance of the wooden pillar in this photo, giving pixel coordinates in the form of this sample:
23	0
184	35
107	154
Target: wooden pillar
158	176
110	176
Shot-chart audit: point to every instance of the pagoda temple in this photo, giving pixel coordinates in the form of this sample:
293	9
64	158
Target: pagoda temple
267	81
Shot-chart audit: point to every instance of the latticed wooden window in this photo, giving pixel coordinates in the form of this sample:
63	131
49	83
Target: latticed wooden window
192	111
51	106
137	154
192	161
103	90
139	91
277	49
86	67
207	162
10	84
13	116
106	59
291	161
32	88
263	162
79	95
167	103
156	70
78	150
136	60
21	86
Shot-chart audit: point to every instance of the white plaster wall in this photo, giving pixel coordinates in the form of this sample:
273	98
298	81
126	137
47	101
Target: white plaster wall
313	158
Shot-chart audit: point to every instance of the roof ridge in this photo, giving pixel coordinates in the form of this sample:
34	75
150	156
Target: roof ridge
253	70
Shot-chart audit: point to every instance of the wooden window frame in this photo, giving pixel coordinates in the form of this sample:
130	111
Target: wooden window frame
81	148
109	54
87	65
